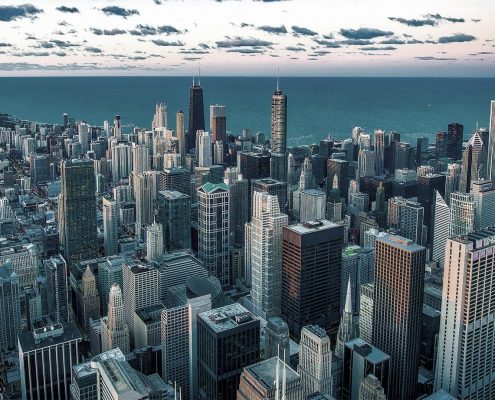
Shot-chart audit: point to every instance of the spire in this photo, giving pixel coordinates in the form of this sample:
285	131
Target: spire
278	79
348	298
199	75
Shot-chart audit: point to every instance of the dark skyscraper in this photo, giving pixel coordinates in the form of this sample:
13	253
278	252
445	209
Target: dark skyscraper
196	114
341	169
77	211
278	162
441	144
455	134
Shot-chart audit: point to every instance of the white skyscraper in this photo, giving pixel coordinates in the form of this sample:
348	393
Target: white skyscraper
204	149
5	209
160	117
312	205
154	241
110	226
441	228
462	213
180	133
144	195
114	330
315	361
266	230
84	136
379	147
121	161
484	198
452	180
117	127
491	142
366	163
140	158
465	363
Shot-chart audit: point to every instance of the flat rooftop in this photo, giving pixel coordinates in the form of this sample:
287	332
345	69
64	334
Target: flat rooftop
313	226
370	353
400	242
69	332
227	317
265	372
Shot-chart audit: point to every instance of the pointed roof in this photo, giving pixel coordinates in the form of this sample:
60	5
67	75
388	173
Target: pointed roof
439	200
348	298
476	142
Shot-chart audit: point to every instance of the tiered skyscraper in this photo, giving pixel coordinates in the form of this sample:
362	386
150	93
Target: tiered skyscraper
77	211
114	330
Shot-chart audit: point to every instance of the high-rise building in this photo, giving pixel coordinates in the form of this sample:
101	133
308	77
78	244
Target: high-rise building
421	149
462	214
220	358
366	312
110	226
180	133
140	158
90	298
24	258
218	123
174	213
411	221
114	329
310	250
358	268
10	307
455	135
121	161
366	163
397	310
427	185
452	180
484	199
491	143
371	389
109	272
178	179
265	246
349	325
341	169
253	165
379	148
239	204
272	187
46	358
315	362
277	339
39	166
144	194
474	160
270	379
154	242
334	202
141	289
441	145
278	162
213	230
310	205
77	211
160	117
362	360
441	229
465	367
204	149
196	114
57	288
117	128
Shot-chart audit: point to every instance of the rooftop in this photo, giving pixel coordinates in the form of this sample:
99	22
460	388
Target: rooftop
227	317
400	242
368	351
265	372
65	332
313	226
211	187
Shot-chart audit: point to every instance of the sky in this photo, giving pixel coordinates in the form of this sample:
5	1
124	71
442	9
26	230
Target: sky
248	37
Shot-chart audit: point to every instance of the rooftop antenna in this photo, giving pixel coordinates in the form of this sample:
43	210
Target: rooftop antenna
278	79
193	80
175	390
276	378
476	126
199	74
284	378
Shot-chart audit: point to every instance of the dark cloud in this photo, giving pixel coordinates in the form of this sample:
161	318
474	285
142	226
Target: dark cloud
62	43
414	22
203	46
70	10
157	2
119	11
245	24
328	43
303	31
160	42
107	32
414	41
439	17
45	45
295	48
456	38
194	51
356	42
11	13
241	42
93	49
432	58
481	53
60	53
392	41
329	36
277	30
476	20
31	54
372	48
246	51
192	58
4	44
145	30
364	33
136	58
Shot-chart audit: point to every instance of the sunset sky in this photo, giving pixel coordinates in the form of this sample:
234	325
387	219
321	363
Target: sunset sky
247	37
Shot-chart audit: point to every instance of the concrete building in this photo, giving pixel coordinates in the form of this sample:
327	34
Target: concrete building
114	330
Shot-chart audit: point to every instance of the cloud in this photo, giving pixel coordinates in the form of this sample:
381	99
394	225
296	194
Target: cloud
203	46
392	41
246	51
160	42
194	51
372	48
277	30
476	20
456	38
106	32
61	43
45	45
295	48
432	58
414	22
241	42
145	30
439	17
136	58
11	13
60	53
4	44
356	42
414	41
119	11
328	43
303	31
192	58
70	10
32	54
93	49
364	33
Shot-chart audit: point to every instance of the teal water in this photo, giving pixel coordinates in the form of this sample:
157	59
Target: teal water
316	106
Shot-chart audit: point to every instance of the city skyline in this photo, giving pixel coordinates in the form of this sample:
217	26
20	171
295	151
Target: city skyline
239	38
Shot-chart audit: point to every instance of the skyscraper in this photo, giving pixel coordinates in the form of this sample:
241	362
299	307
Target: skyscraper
398	304
213	230
77	211
452	180
341	169
159	118
349	325
181	134
265	247
310	250
462	214
411	221
196	114
121	161
455	135
218	123
174	213
204	149
10	307
57	288
441	229
90	298
144	194
110	226
334	202
117	128
278	162
474	160
154	241
277	339
140	158
272	187
379	147
114	330
491	142
366	163
441	145
221	359
465	366
239	204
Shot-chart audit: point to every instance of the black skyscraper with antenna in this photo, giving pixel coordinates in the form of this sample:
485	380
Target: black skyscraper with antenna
196	113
